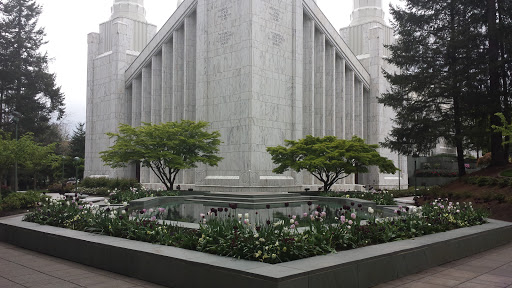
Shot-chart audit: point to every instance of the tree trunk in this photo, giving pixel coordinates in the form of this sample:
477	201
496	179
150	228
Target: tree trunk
1	182
1	110
504	74
498	153
456	92
505	79
327	187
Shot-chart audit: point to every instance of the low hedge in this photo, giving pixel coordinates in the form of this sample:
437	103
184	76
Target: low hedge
109	183
22	200
488	181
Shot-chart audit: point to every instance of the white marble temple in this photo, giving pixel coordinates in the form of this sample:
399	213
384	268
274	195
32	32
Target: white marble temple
259	71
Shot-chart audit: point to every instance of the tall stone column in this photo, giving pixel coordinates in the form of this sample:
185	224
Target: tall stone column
167	82
93	40
178	83
156	99
349	111
156	89
190	36
309	76
146	112
319	100
340	98
308	87
349	103
358	108
330	89
136	101
178	75
298	72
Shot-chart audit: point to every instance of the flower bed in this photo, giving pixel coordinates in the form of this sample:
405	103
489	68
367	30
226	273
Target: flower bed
380	197
272	241
133	193
435	173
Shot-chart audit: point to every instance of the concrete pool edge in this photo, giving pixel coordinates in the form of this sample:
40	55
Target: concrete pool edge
175	267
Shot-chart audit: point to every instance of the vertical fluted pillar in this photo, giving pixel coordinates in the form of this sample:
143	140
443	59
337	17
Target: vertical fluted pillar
358	108
167	77
340	98
156	89
366	112
308	84
349	103
349	110
156	98
178	83
146	112
136	108
178	74
93	40
309	76
136	101
190	34
330	89
298	72
319	122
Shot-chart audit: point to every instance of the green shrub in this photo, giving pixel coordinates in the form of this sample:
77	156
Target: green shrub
100	191
110	184
483	181
379	197
501	198
121	196
89	182
59	188
503	182
466	194
21	200
506	173
488	197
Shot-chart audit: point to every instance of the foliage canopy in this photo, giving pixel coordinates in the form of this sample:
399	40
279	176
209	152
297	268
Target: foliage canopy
165	148
454	62
26	86
30	155
329	159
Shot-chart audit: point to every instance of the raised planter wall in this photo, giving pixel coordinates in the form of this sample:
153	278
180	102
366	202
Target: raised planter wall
175	267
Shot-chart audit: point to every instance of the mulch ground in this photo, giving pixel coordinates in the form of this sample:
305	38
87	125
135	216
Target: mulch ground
483	196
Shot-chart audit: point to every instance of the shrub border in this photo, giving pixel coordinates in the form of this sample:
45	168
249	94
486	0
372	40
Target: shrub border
175	267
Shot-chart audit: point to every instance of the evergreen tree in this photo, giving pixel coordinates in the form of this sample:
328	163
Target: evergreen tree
77	142
26	86
441	52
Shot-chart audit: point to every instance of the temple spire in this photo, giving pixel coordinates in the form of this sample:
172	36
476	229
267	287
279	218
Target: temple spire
366	11
131	9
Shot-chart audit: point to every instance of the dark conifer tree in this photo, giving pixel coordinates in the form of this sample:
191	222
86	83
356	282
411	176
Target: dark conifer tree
77	142
438	51
26	86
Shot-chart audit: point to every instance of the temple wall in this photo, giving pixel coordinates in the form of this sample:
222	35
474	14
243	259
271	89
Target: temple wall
259	71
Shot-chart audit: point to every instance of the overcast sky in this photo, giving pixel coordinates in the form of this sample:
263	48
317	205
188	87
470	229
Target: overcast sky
67	24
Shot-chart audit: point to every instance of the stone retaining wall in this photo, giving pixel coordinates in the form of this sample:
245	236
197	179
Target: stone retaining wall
175	267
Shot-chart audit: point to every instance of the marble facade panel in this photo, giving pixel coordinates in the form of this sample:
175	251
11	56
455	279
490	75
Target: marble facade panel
259	71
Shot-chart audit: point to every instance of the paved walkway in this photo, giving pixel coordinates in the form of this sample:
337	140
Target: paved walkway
489	269
25	268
